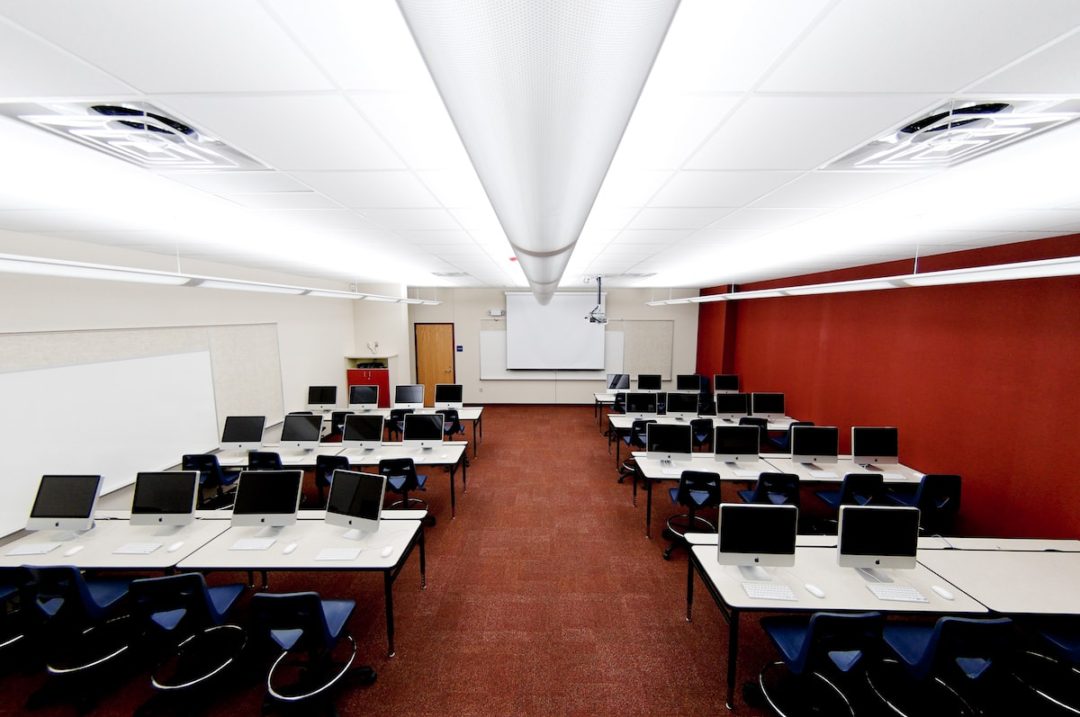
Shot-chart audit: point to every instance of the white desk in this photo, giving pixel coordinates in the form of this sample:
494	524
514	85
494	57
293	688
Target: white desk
450	454
620	423
897	473
312	536
1012	581
602	400
845	589
1019	544
473	414
289	458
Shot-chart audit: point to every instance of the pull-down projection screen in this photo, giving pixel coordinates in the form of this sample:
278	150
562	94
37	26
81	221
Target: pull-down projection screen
556	336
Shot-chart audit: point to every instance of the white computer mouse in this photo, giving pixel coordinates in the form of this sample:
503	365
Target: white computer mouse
73	549
943	592
289	548
386	551
814	590
175	546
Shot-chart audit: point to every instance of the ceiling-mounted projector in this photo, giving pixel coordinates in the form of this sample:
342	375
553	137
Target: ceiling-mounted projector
597	315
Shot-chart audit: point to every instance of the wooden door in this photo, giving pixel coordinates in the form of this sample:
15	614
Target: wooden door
434	357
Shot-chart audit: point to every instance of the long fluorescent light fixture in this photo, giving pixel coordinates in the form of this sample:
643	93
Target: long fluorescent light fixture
38	266
1043	268
540	93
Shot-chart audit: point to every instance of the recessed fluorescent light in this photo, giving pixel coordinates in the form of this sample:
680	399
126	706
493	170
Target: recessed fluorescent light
761	294
232	285
1000	272
331	294
48	267
386	299
841	287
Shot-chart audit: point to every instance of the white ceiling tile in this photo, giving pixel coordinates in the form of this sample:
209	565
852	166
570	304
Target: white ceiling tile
764	219
30	67
1049	71
238	182
284	200
925	46
437	238
801	132
630	187
417	125
836	189
676	218
666	128
200	46
325	220
696	188
395	189
298	132
652	236
51	220
412	219
455	187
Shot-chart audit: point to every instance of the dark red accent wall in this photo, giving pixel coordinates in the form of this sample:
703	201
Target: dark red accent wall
981	379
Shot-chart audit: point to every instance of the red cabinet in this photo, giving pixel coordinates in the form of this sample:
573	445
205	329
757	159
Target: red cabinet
371	377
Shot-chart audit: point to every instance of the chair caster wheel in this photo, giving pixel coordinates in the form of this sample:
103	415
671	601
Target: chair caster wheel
667	555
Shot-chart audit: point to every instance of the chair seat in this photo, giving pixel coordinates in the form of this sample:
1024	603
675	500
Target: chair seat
1066	640
394	483
910	643
105	593
790	632
774	498
337	614
904	499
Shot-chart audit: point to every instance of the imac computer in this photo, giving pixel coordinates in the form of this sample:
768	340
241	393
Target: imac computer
618	382
641	405
648	382
682	406
243	433
322	398
725	383
268	499
814	444
667	442
422	430
301	431
448	395
688	382
732	406
767	405
66	503
736	444
362	432
165	498
875	446
409	396
753	536
363	398
355	502
871	537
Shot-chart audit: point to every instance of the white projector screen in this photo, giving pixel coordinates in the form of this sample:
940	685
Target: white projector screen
556	336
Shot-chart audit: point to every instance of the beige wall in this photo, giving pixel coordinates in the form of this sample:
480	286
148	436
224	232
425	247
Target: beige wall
467	308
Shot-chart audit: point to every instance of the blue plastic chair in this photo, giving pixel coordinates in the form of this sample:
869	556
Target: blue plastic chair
634	440
701	432
765	444
937	498
264	461
451	422
402	478
696	490
324	473
211	474
856	489
773	489
395	422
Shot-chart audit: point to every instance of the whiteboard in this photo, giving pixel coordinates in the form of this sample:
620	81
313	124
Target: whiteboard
553	336
493	360
112	418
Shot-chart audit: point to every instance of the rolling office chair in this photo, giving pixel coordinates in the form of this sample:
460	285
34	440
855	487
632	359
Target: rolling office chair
324	473
1048	669
827	651
701	432
211	476
765	444
15	597
773	489
783	442
395	423
337	426
634	440
856	489
402	479
451	423
696	490
264	461
938	501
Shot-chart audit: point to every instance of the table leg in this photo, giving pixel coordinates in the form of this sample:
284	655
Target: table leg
475	443
648	508
423	560
732	655
690	584
388	592
618	453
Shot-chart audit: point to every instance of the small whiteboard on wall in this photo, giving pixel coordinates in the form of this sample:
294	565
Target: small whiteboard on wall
113	419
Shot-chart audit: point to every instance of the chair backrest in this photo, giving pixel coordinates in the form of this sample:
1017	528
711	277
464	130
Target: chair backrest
701	431
698	489
861	488
400	474
337	425
784	443
61	595
965	646
206	464
776	489
842	639
451	421
300	413
764	444
292	620
638	431
938	499
171	600
264	461
397	415
619	404
325	467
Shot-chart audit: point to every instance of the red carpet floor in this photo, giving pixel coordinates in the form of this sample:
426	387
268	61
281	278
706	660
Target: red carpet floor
543	597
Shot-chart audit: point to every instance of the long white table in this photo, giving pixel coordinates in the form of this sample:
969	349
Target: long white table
1012	581
450	454
835	472
620	423
473	414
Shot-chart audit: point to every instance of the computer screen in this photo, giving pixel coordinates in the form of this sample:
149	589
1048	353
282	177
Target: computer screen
877	537
268	498
754	534
323	396
648	382
367	396
243	432
683	405
618	381
65	502
873	445
669	441
733	444
726	382
356	501
448	395
362	431
409	395
301	431
771	404
423	430
164	498
687	382
641	404
814	444
732	405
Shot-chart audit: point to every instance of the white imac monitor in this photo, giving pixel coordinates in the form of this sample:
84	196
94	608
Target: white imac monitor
683	406
267	498
814	444
688	382
165	498
409	395
872	537
875	446
732	406
618	382
65	502
422	430
363	398
725	383
767	405
668	442
322	398
641	405
355	502
736	444
363	431
753	536
449	395
243	433
301	431
649	382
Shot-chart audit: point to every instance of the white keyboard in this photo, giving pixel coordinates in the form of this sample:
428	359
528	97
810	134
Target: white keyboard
816	473
253	544
33	549
743	473
136	548
674	469
338	554
892	476
899	593
760	590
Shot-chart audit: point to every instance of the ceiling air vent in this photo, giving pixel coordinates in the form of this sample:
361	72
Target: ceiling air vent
959	131
135	132
449	274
